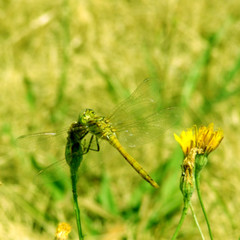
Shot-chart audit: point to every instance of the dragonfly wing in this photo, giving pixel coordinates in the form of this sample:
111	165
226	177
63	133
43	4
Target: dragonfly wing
138	119
149	128
141	97
44	145
36	140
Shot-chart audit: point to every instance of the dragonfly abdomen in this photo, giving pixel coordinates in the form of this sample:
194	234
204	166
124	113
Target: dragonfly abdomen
138	168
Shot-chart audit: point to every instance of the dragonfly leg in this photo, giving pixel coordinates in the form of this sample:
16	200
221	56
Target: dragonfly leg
90	143
97	143
86	149
84	135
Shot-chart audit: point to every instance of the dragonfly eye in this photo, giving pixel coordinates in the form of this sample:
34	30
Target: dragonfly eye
83	118
87	116
90	112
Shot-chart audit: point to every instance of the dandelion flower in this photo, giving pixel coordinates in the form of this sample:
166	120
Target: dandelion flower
204	138
62	232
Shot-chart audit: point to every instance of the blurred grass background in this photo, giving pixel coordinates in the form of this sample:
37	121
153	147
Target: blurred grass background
59	57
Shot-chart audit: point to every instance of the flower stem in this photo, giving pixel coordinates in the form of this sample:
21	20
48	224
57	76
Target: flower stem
74	157
76	207
202	205
184	213
196	221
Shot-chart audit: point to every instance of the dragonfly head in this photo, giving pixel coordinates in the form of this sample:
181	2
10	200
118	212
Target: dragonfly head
87	116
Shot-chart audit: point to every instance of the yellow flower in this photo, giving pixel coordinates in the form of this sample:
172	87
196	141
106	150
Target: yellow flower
204	139
62	232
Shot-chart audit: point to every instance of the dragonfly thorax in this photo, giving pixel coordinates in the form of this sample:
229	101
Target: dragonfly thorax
97	125
77	132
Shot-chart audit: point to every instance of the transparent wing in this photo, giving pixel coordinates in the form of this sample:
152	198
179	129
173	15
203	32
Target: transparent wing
46	153
138	119
32	141
47	147
141	97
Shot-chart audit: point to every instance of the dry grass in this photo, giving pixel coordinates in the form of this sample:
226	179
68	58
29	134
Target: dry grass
58	58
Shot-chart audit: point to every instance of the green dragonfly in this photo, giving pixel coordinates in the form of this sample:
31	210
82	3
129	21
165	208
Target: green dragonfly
137	119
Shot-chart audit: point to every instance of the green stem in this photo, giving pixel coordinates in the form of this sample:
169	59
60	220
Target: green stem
76	207
196	221
202	205
184	213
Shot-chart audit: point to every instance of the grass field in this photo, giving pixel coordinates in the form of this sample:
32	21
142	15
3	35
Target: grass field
60	57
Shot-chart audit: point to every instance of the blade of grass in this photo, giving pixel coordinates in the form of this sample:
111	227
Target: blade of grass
65	36
30	94
199	67
105	195
223	93
42	218
114	88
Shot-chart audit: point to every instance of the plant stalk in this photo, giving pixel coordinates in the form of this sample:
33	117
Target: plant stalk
184	213
202	205
76	207
196	221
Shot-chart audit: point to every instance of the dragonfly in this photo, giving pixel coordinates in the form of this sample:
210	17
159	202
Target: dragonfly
136	120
